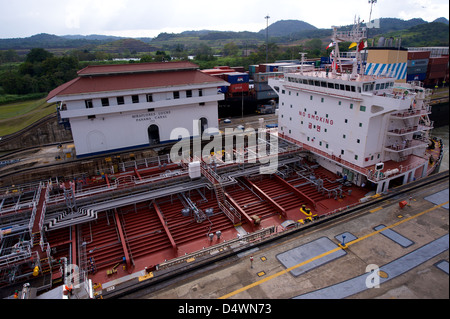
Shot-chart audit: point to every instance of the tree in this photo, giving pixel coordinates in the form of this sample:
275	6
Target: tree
230	49
38	55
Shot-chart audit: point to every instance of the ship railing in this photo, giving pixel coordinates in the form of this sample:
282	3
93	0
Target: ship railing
13	255
404	130
225	246
410	112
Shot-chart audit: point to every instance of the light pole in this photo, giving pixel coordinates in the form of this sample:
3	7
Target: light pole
267	37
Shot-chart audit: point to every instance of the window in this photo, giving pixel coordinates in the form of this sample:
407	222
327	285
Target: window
358	141
330	85
340	103
342	87
351	106
356	157
151	109
362	108
105	101
326	145
149	97
135	98
91	117
360	124
342	152
321	100
317	83
311	97
345	121
323	84
176	95
189	93
200	92
120	100
343	136
88	104
283	91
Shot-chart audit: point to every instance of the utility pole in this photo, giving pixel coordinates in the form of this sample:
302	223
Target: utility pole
267	37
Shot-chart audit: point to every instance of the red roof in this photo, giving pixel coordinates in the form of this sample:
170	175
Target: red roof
108	69
121	82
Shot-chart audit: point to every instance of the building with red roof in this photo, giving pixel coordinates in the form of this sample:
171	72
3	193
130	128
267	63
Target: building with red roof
117	107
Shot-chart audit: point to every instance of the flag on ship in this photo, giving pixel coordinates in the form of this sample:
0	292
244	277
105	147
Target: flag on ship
362	45
329	46
354	44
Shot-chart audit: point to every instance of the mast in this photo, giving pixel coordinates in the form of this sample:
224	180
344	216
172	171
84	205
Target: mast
357	35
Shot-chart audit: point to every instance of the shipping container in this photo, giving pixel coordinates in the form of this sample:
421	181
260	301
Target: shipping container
222	89
416	55
240	87
437	68
416	69
217	71
262	95
440	60
416	77
436	75
420	62
264	77
252	69
236	77
262	86
239	69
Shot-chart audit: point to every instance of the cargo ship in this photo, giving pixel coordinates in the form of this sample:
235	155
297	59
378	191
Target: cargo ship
342	138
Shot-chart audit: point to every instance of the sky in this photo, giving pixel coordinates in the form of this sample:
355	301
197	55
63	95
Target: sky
144	18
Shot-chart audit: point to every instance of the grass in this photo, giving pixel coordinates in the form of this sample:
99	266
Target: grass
17	116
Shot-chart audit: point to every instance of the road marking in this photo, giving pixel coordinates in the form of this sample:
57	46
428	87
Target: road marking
376	209
282	272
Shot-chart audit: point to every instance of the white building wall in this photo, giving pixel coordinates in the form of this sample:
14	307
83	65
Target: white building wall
130	129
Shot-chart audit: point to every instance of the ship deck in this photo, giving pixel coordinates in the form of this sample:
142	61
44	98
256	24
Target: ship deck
134	235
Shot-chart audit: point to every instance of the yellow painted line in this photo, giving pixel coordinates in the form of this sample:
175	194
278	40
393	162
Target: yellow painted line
376	209
282	272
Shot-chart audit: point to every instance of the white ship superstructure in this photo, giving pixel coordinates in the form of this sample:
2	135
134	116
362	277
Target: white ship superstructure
365	127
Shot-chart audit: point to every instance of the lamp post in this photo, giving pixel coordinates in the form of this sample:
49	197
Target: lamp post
267	37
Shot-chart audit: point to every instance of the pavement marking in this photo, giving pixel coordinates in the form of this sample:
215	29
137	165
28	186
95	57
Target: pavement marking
284	271
376	209
394	236
394	268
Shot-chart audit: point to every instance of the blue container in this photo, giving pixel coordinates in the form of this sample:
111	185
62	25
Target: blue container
237	78
416	77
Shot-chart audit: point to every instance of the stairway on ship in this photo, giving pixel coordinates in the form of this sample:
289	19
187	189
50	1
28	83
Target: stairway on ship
102	241
282	194
250	202
185	229
143	231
